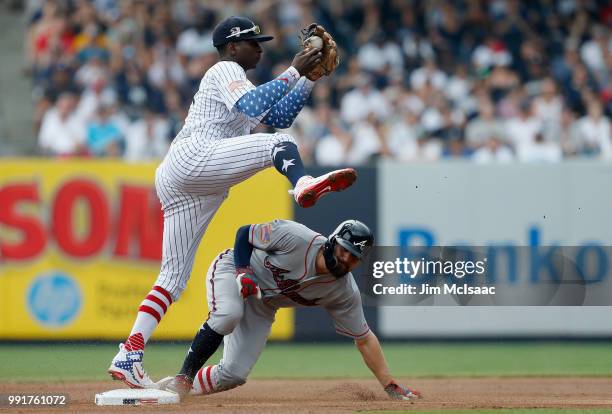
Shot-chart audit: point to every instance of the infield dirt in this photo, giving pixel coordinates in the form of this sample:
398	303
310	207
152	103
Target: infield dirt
337	396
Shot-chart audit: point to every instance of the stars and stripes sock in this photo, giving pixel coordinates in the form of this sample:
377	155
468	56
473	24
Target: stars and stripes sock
204	344
284	112
287	161
257	101
150	313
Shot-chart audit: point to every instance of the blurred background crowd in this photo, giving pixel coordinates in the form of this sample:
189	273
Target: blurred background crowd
490	81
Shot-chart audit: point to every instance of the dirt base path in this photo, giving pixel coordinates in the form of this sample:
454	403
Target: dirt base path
338	396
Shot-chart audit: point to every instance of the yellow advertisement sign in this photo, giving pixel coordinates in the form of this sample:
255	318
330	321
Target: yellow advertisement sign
80	247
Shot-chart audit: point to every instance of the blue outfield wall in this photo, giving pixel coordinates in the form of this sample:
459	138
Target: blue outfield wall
358	202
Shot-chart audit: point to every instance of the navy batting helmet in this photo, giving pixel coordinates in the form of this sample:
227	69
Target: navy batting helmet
354	236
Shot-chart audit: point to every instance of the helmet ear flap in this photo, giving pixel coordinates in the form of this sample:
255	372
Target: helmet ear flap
328	254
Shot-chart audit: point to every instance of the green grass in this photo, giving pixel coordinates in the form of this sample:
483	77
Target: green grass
504	411
65	362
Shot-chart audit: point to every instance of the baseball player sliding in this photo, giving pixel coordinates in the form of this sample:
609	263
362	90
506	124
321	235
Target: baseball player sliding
292	266
215	151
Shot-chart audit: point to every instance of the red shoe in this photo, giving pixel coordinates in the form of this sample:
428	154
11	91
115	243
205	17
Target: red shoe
308	190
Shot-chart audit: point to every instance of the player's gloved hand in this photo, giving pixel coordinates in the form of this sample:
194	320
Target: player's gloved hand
307	60
397	392
247	283
329	58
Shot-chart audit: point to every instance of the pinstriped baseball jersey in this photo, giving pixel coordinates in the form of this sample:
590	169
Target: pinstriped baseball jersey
212	114
213	152
284	263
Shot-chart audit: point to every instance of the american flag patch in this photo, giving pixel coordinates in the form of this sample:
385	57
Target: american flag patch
265	233
235	85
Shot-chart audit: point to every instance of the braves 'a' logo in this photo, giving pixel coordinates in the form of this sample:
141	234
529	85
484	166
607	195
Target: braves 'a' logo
361	244
288	287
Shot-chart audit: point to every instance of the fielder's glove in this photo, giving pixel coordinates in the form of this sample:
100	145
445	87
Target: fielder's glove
329	60
397	392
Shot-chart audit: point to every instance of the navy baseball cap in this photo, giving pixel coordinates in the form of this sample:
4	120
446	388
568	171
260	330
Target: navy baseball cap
234	29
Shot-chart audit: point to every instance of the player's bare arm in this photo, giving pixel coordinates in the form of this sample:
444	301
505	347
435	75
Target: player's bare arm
373	356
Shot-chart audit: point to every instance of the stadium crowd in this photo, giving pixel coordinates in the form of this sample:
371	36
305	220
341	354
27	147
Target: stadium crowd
491	81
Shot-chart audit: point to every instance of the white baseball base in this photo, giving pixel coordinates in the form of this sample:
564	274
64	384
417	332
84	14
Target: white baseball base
136	397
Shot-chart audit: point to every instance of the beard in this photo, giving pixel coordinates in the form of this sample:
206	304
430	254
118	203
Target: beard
339	271
334	267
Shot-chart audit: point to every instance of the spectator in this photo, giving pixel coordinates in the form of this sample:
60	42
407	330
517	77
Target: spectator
147	138
431	73
100	92
459	85
368	141
548	106
593	133
61	132
428	74
332	149
166	66
492	52
197	40
539	150
493	151
362	101
479	130
403	134
381	57
567	133
522	130
594	53
104	137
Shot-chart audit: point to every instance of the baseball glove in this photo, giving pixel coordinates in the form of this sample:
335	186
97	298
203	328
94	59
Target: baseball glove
397	392
330	59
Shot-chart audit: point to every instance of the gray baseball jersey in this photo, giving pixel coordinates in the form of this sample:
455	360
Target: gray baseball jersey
284	263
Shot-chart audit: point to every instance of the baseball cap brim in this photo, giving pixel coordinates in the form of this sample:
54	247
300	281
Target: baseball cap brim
259	38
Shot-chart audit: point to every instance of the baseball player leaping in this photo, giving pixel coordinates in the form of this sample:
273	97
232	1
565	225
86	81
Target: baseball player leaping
293	266
213	152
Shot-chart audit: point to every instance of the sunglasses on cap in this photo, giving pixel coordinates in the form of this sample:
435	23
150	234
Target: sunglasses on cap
236	32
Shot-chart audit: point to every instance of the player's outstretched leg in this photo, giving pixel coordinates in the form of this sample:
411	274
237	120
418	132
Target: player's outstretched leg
307	189
127	364
204	344
177	261
213	378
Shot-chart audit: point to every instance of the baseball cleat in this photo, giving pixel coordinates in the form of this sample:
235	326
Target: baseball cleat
397	392
127	367
247	286
308	189
180	384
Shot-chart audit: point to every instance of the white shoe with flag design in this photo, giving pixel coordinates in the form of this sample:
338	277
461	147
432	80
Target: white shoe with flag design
127	367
